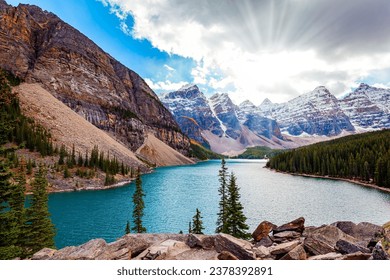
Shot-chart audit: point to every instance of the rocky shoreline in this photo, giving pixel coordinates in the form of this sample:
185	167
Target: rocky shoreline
341	240
336	179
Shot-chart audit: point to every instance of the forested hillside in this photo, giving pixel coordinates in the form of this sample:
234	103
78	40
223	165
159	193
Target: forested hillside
364	157
259	152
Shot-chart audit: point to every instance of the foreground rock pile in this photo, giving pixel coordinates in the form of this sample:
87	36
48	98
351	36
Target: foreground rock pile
291	241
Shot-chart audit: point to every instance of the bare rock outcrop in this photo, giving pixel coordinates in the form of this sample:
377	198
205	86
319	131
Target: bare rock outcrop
327	242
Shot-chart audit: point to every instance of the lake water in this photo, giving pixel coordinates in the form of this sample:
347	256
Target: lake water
174	193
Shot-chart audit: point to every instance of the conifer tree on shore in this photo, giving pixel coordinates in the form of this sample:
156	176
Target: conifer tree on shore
41	232
235	220
222	214
127	229
197	223
138	202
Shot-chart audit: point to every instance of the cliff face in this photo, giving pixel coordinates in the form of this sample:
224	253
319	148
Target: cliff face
40	48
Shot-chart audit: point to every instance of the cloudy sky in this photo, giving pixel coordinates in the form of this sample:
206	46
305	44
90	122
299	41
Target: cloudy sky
251	49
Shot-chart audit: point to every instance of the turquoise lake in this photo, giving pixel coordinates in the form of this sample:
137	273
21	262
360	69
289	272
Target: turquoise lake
174	193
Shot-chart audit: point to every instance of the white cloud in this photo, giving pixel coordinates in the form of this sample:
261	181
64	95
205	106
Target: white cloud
380	85
125	29
164	86
268	48
169	68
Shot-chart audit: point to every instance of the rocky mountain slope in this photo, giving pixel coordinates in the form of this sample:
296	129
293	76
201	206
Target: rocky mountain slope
218	123
317	112
40	48
291	241
368	107
312	117
49	112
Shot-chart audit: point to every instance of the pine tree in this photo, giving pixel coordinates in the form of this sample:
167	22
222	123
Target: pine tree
139	205
127	229
222	214
235	220
197	224
9	226
41	231
66	172
189	227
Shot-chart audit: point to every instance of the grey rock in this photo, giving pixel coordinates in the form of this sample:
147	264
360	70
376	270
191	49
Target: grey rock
262	252
355	256
197	254
346	227
283	248
328	256
298	253
363	231
286	235
345	247
89	251
44	254
200	240
330	235
166	250
317	247
265	241
240	248
367	231
378	253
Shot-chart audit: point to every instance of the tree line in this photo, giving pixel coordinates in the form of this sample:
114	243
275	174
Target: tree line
364	157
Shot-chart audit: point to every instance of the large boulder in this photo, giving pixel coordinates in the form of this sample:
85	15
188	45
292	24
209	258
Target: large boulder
262	252
263	230
330	235
363	231
345	247
347	227
166	250
328	256
89	251
297	225
242	249
265	241
355	256
323	240
285	236
317	247
298	253
283	248
44	254
197	254
202	241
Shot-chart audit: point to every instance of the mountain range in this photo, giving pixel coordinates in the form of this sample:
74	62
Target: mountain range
218	123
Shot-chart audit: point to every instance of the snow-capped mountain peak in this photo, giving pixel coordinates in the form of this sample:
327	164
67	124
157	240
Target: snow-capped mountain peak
188	87
246	104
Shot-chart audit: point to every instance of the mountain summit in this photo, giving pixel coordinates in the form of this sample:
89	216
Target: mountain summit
218	123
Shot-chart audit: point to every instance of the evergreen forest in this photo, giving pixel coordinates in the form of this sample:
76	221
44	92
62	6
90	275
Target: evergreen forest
362	157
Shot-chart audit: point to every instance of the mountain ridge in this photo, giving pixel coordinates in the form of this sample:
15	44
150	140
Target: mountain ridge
40	48
312	117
